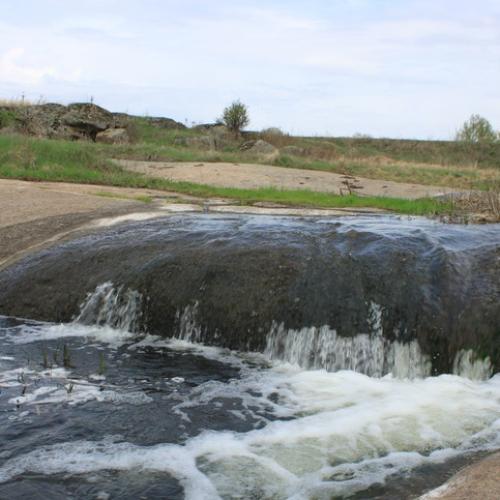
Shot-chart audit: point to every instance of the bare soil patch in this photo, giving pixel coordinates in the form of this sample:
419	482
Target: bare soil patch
253	176
33	213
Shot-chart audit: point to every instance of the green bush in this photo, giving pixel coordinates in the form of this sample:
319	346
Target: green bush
235	117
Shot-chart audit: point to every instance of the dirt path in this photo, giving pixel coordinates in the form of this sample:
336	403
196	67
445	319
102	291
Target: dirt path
255	176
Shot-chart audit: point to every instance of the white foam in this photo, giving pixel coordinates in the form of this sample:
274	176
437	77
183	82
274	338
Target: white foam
46	332
56	386
22	375
79	392
349	431
83	457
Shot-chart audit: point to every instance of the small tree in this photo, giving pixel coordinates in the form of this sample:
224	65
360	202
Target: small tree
477	130
235	117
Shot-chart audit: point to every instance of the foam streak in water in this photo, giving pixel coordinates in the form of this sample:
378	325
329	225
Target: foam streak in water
349	432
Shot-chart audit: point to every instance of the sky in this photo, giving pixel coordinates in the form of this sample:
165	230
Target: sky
387	68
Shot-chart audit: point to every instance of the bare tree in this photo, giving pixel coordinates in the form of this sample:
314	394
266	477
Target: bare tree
477	130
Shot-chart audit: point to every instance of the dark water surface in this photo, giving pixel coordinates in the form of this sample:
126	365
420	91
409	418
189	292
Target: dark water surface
111	404
144	417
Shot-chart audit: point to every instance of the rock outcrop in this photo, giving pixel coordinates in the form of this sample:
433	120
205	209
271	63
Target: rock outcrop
122	119
234	279
81	121
76	121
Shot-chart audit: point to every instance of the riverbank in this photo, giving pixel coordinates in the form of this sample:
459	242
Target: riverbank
37	214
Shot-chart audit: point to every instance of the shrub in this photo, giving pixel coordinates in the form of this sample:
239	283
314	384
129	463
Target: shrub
235	117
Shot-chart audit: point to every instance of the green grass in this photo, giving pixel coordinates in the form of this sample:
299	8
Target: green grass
7	117
121	196
148	134
441	163
82	162
307	198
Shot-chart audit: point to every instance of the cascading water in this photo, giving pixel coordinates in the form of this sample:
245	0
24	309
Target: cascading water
239	357
310	348
371	354
110	306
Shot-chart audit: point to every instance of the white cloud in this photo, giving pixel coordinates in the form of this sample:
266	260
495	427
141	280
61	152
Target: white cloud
331	65
13	70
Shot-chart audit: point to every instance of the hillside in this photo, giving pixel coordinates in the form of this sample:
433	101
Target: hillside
76	143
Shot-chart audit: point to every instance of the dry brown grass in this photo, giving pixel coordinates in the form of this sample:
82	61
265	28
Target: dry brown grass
493	200
383	167
15	103
477	206
276	137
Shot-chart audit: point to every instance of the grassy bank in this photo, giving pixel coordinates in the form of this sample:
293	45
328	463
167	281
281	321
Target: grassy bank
84	162
440	163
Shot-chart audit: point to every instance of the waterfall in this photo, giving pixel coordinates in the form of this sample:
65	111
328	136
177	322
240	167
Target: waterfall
467	364
371	354
311	348
187	325
368	353
115	307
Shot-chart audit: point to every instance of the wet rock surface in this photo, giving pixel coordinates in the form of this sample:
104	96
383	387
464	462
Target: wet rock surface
237	276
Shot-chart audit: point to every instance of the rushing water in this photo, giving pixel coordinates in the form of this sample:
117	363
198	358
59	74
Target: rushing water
350	317
92	411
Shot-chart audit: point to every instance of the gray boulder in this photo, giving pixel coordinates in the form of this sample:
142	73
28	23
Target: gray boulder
80	121
76	121
87	119
43	120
